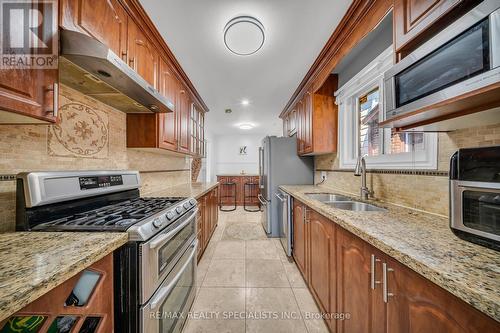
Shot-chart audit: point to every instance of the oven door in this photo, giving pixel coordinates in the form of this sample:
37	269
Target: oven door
475	208
168	309
159	255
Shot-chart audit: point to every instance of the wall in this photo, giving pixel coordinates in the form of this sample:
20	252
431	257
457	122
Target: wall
227	154
411	188
90	136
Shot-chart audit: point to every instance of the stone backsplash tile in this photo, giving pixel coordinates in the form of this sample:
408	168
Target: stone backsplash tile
92	137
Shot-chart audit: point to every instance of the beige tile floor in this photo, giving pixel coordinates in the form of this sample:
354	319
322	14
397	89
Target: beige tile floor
247	284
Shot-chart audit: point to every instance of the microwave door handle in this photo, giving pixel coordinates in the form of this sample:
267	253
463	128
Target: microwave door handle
166	290
154	244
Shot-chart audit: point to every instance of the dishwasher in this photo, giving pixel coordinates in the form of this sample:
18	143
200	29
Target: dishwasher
285	221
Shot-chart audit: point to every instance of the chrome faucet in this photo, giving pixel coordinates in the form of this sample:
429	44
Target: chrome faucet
360	170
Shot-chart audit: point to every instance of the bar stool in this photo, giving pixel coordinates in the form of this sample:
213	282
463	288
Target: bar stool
250	186
225	188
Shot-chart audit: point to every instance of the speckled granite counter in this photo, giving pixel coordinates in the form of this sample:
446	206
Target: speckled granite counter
424	243
33	263
195	190
238	175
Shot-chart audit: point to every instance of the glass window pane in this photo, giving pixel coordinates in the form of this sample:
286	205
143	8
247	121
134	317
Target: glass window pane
369	131
402	142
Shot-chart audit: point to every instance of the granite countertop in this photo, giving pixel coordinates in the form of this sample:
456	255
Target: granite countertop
195	190
33	263
424	243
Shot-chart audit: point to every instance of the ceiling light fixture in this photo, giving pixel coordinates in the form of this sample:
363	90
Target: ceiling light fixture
228	110
246	126
244	35
245	102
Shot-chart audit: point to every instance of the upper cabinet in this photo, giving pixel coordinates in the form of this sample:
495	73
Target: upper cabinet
313	119
169	87
141	54
106	21
415	20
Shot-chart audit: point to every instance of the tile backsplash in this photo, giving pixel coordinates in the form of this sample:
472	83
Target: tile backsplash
414	190
90	136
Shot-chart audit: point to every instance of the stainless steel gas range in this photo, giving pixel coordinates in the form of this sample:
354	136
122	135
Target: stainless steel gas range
155	272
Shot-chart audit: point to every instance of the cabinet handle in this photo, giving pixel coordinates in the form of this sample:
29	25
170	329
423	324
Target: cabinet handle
373	261
386	292
124	55
55	99
131	62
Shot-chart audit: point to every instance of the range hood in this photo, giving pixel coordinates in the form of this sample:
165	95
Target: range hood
87	65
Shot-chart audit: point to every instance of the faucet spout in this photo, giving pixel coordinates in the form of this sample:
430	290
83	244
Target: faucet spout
360	170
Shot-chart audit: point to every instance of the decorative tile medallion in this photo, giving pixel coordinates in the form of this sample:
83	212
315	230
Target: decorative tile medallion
82	131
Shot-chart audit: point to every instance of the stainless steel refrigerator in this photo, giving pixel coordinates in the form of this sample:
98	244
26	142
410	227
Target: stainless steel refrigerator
279	164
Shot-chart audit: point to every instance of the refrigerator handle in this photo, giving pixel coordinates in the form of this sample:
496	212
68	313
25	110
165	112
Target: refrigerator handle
261	167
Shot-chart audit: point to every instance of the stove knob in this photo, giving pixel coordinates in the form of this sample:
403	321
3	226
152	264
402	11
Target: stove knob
170	215
192	202
186	205
157	222
179	209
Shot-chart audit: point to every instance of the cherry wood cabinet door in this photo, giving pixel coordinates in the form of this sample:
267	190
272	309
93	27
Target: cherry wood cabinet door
418	306
308	123
322	256
300	235
414	17
106	21
168	86
142	55
184	114
292	122
353	284
28	92
301	127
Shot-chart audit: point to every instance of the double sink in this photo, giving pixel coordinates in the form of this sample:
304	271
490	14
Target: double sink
343	202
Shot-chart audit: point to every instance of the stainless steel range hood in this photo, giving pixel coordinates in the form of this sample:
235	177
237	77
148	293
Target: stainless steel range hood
87	65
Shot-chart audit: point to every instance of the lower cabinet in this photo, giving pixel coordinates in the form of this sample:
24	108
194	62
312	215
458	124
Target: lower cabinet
361	289
207	218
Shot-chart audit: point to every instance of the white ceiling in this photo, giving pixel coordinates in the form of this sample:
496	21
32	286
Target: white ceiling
296	31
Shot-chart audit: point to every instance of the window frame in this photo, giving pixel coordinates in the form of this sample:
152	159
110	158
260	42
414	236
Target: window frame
347	99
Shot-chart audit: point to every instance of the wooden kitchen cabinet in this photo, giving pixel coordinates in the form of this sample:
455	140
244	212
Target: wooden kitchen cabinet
415	21
322	260
417	305
315	119
168	86
346	275
27	96
141	54
106	21
300	237
208	216
184	121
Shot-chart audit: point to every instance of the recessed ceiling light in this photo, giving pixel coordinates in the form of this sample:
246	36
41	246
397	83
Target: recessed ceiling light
246	126
244	35
245	102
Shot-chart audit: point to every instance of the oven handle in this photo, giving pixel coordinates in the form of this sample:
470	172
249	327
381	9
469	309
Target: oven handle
154	244
166	290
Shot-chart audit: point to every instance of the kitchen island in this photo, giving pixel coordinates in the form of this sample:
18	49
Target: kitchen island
413	241
34	263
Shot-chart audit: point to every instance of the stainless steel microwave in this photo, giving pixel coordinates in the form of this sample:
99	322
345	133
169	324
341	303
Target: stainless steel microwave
462	58
475	195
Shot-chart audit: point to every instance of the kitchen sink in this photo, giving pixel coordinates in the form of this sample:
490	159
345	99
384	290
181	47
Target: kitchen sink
327	197
356	206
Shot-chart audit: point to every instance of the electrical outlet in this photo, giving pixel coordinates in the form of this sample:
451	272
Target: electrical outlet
323	175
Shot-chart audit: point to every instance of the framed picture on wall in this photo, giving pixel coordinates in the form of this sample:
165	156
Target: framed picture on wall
243	150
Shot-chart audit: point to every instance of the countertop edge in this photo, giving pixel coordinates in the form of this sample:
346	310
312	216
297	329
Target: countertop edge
476	300
34	292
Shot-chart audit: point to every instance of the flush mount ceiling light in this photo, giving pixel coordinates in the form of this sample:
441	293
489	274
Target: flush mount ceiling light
246	126
245	102
244	35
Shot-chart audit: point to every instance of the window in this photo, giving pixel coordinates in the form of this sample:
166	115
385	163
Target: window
361	110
